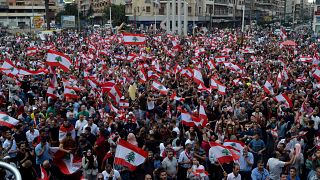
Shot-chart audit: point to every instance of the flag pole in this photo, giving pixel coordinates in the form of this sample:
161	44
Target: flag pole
221	166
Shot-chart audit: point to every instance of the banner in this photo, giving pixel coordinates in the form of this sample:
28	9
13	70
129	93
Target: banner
37	22
68	21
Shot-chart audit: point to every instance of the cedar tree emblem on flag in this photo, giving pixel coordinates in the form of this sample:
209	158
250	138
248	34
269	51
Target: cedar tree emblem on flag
58	58
225	152
130	157
6	118
233	144
134	39
160	87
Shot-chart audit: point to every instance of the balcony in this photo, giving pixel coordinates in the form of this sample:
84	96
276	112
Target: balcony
222	3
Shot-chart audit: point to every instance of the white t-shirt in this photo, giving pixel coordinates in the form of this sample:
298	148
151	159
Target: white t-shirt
94	129
6	145
231	176
31	136
80	125
275	168
116	175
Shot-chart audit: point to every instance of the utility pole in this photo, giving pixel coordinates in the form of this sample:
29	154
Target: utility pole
284	11
46	4
79	8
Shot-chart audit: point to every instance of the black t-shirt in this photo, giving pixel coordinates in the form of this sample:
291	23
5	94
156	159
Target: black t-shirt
143	103
20	137
54	133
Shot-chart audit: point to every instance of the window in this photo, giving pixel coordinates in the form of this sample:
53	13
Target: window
148	9
189	10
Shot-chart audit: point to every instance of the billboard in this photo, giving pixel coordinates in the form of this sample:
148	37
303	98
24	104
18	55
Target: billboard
68	21
37	22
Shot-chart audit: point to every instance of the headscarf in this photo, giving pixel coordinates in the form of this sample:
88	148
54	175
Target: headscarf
132	139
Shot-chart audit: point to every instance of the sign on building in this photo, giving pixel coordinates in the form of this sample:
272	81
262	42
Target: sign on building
37	22
68	1
68	21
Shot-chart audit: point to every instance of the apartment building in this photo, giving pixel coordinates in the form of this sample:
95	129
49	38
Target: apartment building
18	13
202	12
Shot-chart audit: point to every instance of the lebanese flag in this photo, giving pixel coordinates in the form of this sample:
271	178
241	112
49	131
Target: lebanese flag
175	97
31	51
92	47
197	76
131	57
142	75
51	92
114	109
234	67
133	39
303	106
234	144
307	59
189	120
187	72
210	64
285	99
158	86
124	104
69	92
237	82
283	34
8	121
58	59
129	155
215	84
222	153
316	74
115	94
44	174
67	163
220	59
9	68
267	87
202	116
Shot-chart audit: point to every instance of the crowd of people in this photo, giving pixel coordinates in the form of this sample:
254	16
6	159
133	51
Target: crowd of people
222	86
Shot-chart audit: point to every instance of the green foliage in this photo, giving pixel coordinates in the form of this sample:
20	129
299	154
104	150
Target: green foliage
69	9
118	14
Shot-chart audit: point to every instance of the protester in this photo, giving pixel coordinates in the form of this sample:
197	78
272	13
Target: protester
161	106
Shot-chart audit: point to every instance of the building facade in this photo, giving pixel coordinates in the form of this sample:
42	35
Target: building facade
203	12
18	13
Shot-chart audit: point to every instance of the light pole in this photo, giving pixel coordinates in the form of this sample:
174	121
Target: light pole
243	12
185	18
79	15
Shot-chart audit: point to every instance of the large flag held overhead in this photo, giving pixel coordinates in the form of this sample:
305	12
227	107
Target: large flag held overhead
234	144
158	86
133	39
222	153
67	163
129	155
283	98
8	121
58	59
268	87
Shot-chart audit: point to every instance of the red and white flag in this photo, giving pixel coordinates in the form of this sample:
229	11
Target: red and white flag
175	97
115	94
44	174
233	67
158	86
133	39
210	64
283	34
197	76
142	75
215	84
202	116
283	98
187	72
112	108
267	87
303	108
8	121
222	153
307	59
234	144
51	92
131	57
316	74
69	92
123	103
189	120
67	163
129	155
58	59
32	51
